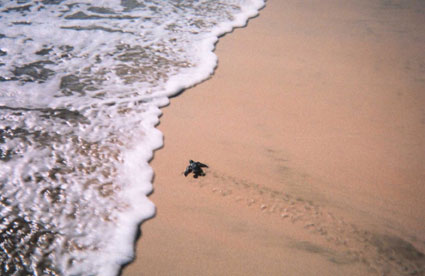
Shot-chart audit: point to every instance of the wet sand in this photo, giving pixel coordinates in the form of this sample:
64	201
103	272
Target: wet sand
313	126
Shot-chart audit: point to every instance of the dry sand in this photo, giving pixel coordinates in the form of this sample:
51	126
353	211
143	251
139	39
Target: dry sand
313	126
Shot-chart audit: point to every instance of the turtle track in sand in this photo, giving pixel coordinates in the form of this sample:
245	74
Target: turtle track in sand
382	254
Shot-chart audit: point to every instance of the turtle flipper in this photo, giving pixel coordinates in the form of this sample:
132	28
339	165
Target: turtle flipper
187	171
201	165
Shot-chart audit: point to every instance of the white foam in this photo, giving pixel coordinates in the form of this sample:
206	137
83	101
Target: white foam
129	68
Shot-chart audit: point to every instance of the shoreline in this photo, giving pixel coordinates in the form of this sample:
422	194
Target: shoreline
314	131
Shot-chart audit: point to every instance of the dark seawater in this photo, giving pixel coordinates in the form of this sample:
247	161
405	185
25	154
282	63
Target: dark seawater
81	84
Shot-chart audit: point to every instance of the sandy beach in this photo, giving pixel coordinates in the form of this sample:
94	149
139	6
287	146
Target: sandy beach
313	127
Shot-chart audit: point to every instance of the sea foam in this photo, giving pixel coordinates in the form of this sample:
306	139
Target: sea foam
81	87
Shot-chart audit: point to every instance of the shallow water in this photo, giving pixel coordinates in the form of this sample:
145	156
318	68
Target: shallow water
80	89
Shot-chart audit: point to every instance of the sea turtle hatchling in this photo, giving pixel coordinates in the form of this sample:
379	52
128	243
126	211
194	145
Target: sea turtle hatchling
196	168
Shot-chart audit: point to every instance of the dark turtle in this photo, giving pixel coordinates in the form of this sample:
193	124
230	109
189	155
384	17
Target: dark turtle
196	168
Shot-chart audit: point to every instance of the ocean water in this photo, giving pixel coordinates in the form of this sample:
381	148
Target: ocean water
81	84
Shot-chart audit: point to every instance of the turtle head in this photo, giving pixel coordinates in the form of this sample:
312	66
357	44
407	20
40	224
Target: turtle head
190	161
